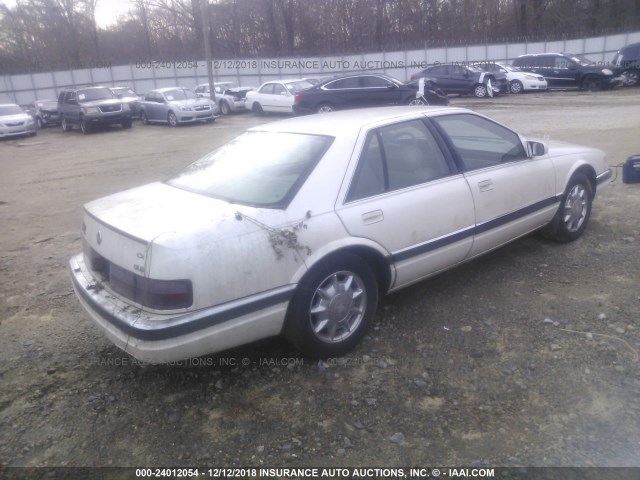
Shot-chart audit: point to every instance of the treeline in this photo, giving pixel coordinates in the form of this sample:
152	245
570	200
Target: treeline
43	35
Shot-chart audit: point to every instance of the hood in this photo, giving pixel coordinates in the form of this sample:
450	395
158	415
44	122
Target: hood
191	102
19	117
558	148
101	103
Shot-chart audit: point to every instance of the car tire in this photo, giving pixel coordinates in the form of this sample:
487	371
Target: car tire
172	119
480	91
257	108
127	123
65	125
143	118
415	101
333	306
224	108
572	217
325	108
39	124
516	87
592	83
84	127
633	79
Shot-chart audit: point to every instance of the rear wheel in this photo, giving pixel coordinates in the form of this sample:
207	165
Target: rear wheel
172	119
39	123
333	306
516	86
325	108
417	101
572	216
480	91
65	125
632	77
143	118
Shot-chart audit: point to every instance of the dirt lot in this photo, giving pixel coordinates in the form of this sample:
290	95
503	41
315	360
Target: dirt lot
489	364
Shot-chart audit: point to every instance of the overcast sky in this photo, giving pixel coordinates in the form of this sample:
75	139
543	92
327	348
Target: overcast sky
107	11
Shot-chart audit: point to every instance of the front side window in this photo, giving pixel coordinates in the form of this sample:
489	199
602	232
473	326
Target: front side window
179	94
263	169
479	142
267	89
350	82
278	89
371	81
396	157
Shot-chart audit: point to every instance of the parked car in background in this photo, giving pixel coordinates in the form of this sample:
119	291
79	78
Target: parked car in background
277	96
296	227
627	64
565	70
44	112
229	97
88	107
519	81
176	105
127	95
464	79
14	121
365	90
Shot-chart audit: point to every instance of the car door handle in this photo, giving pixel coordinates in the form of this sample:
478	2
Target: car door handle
372	217
485	185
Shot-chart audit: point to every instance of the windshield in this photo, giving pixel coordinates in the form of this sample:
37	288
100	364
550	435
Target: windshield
10	110
585	62
91	94
124	91
295	87
257	168
221	87
179	94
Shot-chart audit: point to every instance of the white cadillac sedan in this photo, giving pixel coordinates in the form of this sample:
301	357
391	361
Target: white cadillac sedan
298	226
277	96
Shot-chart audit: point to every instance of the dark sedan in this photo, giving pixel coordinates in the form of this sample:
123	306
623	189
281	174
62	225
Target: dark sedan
464	79
364	90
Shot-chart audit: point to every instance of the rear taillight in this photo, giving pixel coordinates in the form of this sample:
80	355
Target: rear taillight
157	294
413	77
297	98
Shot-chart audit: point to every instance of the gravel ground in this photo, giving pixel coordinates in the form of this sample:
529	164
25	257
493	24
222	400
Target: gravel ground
527	356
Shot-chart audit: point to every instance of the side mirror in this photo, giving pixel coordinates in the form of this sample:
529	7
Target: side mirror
391	86
535	149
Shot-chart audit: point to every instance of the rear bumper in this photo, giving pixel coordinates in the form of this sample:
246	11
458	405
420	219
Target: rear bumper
161	338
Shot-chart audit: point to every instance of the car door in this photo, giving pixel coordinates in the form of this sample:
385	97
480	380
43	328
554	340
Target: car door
342	93
439	74
378	91
406	195
460	79
153	106
513	194
72	108
265	97
282	98
566	73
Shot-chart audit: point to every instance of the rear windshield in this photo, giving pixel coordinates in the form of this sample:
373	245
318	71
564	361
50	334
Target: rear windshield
10	110
124	91
295	87
263	169
48	104
91	94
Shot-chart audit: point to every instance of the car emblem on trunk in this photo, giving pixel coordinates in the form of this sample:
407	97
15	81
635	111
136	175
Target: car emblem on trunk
99	237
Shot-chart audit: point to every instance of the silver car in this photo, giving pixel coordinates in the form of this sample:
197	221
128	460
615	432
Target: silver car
229	97
175	105
15	122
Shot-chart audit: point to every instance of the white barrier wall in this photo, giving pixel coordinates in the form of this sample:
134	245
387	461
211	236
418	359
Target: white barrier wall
145	76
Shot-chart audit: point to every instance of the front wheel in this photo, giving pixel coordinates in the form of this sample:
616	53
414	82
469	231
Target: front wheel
332	307
592	83
127	123
143	118
516	87
572	216
39	124
84	126
480	91
257	108
65	125
172	119
632	78
224	108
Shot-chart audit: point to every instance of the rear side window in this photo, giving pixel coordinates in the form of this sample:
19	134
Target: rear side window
397	157
479	142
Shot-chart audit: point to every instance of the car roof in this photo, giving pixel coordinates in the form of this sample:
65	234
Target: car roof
167	89
336	123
